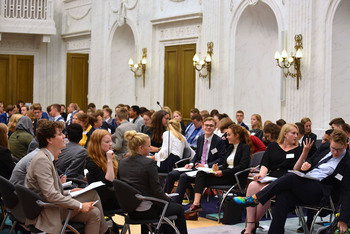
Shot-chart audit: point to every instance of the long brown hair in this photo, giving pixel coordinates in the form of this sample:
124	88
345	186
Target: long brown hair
243	135
157	125
3	136
95	151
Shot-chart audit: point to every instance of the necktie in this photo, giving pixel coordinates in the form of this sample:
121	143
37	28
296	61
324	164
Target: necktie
323	161
204	154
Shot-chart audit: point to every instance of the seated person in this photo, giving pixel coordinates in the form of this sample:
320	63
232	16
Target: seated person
44	181
166	158
102	166
20	140
6	162
210	150
332	169
72	158
141	172
195	130
238	158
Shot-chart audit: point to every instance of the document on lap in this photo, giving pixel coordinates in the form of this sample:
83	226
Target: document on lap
298	173
205	169
182	169
88	188
67	184
266	179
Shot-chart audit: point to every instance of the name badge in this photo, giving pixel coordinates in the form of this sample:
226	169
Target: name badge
290	156
339	177
213	151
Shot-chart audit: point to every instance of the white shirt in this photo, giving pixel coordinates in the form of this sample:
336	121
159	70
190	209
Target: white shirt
176	147
231	157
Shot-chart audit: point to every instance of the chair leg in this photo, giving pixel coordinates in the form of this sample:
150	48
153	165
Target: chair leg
13	227
4	221
172	225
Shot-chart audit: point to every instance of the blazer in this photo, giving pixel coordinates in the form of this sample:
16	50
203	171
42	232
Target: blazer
214	156
6	163
43	179
141	173
3	118
241	161
119	144
72	160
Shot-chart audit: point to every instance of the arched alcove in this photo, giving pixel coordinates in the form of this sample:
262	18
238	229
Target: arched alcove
122	79
256	78
340	81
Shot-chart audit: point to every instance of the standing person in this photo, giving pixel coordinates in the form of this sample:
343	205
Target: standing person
141	173
119	144
256	123
155	131
238	158
210	150
134	113
6	162
43	179
239	118
102	166
22	137
167	157
279	157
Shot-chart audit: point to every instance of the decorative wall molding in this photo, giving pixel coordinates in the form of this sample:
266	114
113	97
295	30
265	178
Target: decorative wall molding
26	42
78	44
122	7
180	32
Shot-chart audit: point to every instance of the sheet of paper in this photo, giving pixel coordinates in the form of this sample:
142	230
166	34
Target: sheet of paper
88	188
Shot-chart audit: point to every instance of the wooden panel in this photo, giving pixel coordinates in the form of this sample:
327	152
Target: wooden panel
24	83
179	79
16	73
77	79
4	77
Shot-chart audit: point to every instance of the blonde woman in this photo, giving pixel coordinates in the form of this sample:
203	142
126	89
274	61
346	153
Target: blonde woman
102	166
178	116
141	173
279	157
171	152
12	123
257	129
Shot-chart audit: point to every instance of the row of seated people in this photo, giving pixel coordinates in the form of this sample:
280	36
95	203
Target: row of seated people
209	127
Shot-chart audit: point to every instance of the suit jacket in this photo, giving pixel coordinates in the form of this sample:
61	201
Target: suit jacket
120	145
6	163
72	160
240	162
214	156
141	173
3	118
43	179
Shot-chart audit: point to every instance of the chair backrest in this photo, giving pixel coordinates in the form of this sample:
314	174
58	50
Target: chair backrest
256	159
7	191
29	200
125	194
186	153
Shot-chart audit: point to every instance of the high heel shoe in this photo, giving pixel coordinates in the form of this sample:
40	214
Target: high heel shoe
254	229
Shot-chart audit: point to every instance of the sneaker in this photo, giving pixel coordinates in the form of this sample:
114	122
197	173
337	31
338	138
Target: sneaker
246	201
194	208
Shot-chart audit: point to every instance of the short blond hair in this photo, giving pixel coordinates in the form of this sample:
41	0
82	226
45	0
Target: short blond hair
287	128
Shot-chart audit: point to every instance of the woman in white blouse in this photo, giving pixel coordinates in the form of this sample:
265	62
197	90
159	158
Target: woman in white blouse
238	158
171	151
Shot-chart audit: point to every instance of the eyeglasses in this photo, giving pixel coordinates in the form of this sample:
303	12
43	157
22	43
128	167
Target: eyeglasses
208	125
337	150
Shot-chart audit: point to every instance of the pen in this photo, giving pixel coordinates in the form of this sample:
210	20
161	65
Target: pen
255	175
64	174
94	203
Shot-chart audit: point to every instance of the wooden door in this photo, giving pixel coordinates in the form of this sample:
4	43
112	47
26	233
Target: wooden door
16	75
179	79
77	79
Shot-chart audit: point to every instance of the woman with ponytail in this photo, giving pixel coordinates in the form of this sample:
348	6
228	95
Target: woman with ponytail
141	172
238	158
172	151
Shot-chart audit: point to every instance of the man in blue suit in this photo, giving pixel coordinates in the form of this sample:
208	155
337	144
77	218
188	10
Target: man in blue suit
5	117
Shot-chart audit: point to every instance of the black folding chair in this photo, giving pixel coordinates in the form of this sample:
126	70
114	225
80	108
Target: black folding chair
130	198
32	205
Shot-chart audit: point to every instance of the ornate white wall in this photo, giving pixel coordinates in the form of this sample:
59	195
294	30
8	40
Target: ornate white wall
245	37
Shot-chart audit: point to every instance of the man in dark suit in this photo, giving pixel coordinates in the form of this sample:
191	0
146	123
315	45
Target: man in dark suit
210	150
331	170
5	117
239	118
72	158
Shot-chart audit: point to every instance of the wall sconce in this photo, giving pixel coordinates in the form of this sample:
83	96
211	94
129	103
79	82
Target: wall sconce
293	61
200	64
141	66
